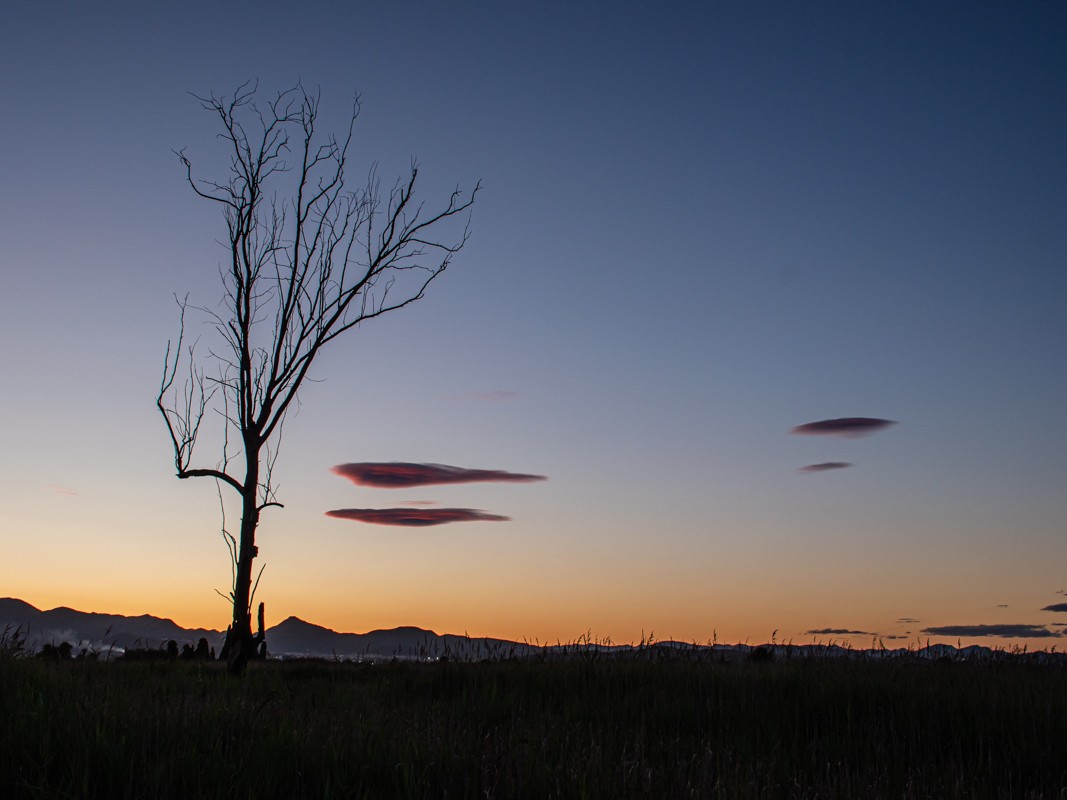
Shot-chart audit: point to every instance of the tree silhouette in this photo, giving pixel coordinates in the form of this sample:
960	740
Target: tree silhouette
307	260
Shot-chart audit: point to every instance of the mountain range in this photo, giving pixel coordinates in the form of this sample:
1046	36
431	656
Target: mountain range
113	634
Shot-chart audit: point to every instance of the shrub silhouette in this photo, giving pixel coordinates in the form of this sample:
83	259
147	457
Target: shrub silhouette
170	651
761	654
61	651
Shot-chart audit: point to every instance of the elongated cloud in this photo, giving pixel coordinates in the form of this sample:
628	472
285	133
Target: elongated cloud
825	466
850	427
403	475
1056	607
415	517
999	631
837	632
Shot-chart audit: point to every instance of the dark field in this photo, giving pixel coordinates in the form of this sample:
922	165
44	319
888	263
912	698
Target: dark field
580	727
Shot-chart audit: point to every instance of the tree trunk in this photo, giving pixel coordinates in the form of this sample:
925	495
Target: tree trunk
241	645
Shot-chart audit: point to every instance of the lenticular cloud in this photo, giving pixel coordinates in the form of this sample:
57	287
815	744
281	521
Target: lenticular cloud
403	475
1000	631
415	517
844	426
826	466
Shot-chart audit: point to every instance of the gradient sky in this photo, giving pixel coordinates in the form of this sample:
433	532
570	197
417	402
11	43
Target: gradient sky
703	225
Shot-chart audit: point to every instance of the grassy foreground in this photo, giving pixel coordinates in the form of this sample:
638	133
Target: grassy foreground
585	727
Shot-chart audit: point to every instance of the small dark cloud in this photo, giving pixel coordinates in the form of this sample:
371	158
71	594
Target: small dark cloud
825	466
999	631
895	636
908	620
1002	605
419	502
850	427
402	475
837	632
415	517
1056	607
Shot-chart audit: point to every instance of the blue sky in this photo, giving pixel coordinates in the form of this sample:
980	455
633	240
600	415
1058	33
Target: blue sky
702	225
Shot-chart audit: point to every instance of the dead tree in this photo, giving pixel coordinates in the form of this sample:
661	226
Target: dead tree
307	259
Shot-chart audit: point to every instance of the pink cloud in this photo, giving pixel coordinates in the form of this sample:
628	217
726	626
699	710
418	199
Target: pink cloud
400	474
415	517
850	427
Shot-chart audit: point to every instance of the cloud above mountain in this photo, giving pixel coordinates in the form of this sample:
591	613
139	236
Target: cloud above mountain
825	466
998	631
404	475
837	632
415	517
850	427
1056	607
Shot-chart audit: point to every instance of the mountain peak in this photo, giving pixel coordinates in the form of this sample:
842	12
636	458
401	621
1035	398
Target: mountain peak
293	625
13	606
405	629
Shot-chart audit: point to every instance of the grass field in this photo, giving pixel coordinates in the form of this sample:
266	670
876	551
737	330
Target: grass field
583	727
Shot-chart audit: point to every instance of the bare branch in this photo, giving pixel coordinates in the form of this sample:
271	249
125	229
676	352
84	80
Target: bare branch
307	259
212	473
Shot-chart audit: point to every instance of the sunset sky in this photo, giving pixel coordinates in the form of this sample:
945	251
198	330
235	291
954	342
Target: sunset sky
703	225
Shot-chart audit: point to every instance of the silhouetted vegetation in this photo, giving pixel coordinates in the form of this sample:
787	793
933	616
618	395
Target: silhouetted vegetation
62	651
12	642
170	652
627	727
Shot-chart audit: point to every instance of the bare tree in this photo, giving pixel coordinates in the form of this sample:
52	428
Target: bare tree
307	260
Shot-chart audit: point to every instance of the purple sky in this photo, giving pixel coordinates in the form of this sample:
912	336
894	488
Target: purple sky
701	228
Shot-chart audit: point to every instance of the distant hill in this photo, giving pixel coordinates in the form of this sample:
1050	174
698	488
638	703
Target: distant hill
96	631
294	637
